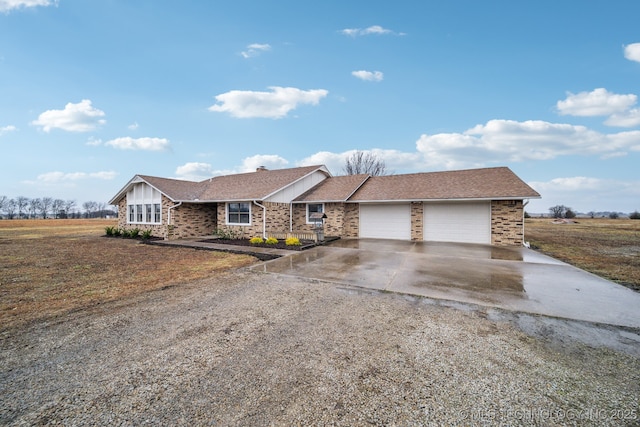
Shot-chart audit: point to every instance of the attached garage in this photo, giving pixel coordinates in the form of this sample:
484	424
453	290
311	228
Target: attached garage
464	222
385	221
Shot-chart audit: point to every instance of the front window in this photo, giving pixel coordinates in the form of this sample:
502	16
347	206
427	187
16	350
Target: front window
144	205
139	213
238	213
314	208
147	209
132	213
156	217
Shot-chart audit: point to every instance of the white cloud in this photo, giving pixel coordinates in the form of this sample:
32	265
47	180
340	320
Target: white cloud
53	177
627	119
632	52
195	171
374	29
274	105
371	76
94	142
598	102
199	171
8	5
148	144
80	117
7	129
495	143
255	49
133	126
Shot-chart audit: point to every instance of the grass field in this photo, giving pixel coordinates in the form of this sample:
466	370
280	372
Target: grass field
51	267
607	247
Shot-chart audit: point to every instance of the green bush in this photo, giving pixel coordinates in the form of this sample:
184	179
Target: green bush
292	241
109	231
125	233
256	240
271	241
146	234
134	233
117	232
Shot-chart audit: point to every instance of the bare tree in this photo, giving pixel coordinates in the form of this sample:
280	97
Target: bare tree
22	203
90	208
34	207
3	201
364	162
69	205
10	208
45	206
56	207
559	211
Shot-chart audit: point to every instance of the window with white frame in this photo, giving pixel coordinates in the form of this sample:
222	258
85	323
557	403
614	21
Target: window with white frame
239	213
314	208
144	205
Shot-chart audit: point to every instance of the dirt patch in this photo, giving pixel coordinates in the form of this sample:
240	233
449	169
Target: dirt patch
51	267
606	247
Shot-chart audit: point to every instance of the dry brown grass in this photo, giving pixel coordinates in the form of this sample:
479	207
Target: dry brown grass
607	247
52	267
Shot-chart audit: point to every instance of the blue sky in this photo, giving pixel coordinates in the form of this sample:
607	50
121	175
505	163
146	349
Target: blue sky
94	92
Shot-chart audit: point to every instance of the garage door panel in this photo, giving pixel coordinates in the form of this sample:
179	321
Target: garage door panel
458	222
388	221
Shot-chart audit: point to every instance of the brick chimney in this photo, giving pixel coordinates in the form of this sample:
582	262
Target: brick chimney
261	168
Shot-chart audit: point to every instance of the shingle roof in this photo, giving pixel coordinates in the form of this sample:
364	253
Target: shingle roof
175	189
254	185
244	186
488	183
336	189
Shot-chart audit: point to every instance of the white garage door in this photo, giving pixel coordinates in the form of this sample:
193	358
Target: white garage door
388	221
458	222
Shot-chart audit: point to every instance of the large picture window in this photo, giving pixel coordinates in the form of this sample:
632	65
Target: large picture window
144	205
239	213
314	208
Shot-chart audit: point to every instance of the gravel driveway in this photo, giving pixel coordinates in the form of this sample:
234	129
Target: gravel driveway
259	349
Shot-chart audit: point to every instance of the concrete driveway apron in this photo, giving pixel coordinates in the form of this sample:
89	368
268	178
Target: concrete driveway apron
515	279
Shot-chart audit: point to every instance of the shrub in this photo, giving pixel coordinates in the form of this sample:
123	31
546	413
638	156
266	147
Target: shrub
256	240
146	234
271	241
109	231
292	241
117	232
134	233
634	215
125	233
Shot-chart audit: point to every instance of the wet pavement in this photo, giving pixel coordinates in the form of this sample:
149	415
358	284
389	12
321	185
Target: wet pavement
514	279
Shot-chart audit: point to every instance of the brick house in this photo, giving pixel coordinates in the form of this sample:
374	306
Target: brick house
473	206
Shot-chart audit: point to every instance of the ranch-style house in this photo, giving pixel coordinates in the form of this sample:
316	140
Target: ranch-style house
472	206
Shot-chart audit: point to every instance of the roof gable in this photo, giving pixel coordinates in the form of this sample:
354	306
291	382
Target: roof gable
336	189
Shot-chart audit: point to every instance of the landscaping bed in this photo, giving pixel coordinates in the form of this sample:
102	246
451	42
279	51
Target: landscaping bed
304	244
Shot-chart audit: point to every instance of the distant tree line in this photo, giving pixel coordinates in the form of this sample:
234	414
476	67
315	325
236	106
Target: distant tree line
562	211
47	207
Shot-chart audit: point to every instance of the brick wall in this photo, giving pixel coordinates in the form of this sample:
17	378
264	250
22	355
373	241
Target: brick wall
333	224
507	222
351	220
417	221
192	220
277	220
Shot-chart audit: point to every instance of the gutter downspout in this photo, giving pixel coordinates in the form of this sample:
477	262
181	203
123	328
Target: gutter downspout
524	243
264	218
169	217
